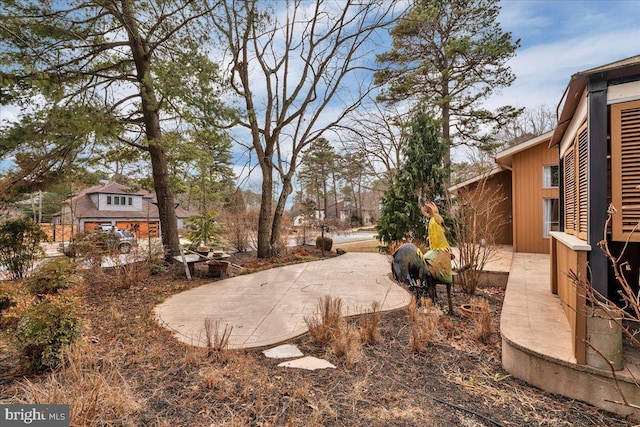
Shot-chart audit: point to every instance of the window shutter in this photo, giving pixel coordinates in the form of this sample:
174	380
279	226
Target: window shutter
570	191
625	169
583	177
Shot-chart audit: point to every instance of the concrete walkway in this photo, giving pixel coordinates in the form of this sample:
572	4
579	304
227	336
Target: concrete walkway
270	306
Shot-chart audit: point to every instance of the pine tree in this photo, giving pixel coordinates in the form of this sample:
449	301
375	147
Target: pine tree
451	55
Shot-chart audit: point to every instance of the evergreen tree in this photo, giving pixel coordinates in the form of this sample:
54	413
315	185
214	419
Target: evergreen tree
420	179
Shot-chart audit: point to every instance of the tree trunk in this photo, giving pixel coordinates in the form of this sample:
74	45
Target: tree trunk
151	119
264	219
335	193
446	132
166	206
279	213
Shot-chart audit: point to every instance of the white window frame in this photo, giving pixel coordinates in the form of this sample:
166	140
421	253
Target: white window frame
547	223
547	176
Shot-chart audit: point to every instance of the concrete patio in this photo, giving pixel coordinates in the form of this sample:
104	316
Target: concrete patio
270	306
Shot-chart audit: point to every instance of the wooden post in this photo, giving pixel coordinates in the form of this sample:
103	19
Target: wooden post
186	265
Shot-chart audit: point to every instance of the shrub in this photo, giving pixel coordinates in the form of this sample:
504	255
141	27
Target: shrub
46	329
324	243
477	220
6	303
20	246
53	276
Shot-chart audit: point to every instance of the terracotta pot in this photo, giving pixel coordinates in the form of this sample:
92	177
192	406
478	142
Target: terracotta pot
471	311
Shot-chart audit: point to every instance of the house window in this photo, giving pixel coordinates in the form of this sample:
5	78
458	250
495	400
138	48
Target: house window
108	200
550	176
130	201
550	216
625	168
116	200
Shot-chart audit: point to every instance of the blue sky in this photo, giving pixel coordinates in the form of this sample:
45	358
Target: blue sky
560	38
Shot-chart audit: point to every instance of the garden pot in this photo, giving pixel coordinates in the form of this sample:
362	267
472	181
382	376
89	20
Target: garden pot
203	250
471	311
218	268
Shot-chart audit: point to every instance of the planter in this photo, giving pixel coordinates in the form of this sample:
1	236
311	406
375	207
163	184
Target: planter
203	250
471	311
218	268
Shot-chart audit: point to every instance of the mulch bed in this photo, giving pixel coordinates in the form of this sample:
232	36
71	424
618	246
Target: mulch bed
457	380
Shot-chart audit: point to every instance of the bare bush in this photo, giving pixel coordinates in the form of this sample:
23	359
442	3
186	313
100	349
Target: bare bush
239	228
626	315
477	218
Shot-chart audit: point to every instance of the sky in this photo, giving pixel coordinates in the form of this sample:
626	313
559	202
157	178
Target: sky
558	39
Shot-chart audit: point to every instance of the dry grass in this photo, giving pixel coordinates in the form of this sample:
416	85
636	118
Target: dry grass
424	319
327	319
217	339
368	325
482	322
370	246
93	386
330	329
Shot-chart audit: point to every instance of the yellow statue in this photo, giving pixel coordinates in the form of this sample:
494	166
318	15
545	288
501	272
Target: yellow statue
438	258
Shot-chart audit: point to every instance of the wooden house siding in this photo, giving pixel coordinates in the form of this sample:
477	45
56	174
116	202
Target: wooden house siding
528	196
499	184
504	234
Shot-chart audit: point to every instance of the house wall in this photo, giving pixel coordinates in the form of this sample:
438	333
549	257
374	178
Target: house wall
500	184
528	196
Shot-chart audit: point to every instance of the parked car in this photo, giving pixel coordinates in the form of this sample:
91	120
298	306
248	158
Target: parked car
121	241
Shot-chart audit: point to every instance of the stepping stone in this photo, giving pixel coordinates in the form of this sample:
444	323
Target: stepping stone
285	351
309	362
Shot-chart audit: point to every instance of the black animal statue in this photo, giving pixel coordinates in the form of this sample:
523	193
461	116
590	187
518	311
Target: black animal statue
409	267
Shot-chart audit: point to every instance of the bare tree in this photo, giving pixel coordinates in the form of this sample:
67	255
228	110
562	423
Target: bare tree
531	123
477	220
289	67
376	134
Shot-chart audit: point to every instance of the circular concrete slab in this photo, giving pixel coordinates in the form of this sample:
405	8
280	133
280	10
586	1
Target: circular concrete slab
270	306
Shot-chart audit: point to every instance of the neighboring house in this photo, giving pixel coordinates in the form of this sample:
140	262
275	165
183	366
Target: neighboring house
367	208
598	138
526	184
111	204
